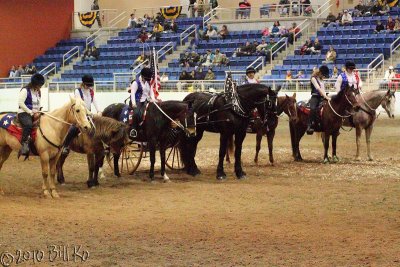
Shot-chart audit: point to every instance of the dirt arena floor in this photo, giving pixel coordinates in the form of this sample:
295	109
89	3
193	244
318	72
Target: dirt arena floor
292	214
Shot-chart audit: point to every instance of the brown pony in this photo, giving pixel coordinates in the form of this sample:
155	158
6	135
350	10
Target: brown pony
286	104
53	128
334	111
109	132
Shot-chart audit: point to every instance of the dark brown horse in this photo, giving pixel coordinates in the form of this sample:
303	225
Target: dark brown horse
285	104
109	132
333	114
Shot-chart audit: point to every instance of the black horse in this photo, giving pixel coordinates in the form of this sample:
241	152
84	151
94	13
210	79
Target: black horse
228	117
159	128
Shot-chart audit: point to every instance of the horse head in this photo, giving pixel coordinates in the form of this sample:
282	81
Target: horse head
350	94
182	115
190	121
80	115
288	104
389	103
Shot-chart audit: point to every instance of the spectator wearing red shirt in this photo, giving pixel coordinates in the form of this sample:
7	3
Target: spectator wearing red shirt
390	24
244	9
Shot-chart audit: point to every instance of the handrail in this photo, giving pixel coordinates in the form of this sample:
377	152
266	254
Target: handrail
139	66
121	14
394	49
169	44
272	53
210	15
318	9
372	67
183	37
72	49
50	69
255	61
96	33
295	39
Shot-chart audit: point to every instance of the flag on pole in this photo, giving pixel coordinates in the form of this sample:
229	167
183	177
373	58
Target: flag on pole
155	83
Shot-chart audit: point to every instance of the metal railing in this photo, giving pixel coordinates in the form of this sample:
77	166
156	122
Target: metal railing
305	24
189	31
105	15
321	12
209	16
256	64
165	49
50	68
74	51
272	53
393	47
379	61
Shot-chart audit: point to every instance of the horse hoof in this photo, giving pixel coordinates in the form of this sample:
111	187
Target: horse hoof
118	175
358	159
370	159
221	177
242	177
326	161
54	194
167	180
46	194
335	159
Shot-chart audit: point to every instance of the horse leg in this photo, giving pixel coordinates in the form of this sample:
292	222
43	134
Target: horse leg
221	175
52	180
368	133
100	166
98	159
116	166
299	133
59	166
90	161
44	161
239	137
326	148
5	152
334	142
162	158
292	138
270	137
152	148
258	144
358	142
191	148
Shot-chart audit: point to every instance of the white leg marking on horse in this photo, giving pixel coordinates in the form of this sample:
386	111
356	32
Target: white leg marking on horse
166	178
101	173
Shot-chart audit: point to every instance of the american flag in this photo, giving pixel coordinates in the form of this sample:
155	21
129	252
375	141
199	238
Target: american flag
155	83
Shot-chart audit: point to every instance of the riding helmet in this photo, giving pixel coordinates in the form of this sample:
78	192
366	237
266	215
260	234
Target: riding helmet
37	79
350	65
146	74
250	70
324	70
88	80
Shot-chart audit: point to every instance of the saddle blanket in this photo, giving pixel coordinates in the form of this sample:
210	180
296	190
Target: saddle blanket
8	123
305	107
127	115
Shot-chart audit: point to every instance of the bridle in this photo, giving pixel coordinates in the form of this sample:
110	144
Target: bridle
348	100
268	103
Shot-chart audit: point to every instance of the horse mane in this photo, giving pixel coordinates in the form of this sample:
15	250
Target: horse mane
257	86
339	95
108	128
171	106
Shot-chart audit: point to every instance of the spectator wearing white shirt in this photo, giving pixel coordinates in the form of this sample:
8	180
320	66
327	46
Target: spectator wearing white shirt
132	22
346	18
389	74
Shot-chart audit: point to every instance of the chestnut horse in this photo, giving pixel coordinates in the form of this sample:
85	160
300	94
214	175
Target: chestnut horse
52	129
334	112
109	133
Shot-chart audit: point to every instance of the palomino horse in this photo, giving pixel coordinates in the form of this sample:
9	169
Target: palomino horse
53	128
334	111
217	114
157	129
286	104
365	117
109	133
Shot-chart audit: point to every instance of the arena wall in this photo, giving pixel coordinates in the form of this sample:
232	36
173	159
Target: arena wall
51	101
29	27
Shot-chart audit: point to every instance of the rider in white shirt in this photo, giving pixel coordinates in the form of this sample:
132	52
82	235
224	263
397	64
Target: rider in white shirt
250	73
348	78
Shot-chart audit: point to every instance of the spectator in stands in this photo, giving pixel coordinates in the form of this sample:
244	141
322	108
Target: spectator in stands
207	59
283	7
139	60
157	30
145	21
95	7
384	8
217	58
164	78
244	7
306	7
27	70
142	37
132	22
330	56
397	26
275	30
335	73
184	76
11	73
225	60
210	75
288	79
194	59
199	75
192	8
261	47
300	75
32	70
379	26
171	26
265	32
283	31
247	50
192	75
19	72
86	53
306	48
389	74
211	33
184	60
200	8
346	18
95	53
292	32
329	19
316	48
160	18
223	32
390	24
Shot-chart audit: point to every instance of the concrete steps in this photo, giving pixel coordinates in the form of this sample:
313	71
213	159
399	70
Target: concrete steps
176	54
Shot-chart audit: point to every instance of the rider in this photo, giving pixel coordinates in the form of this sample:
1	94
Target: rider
348	78
250	73
29	105
141	92
86	92
317	94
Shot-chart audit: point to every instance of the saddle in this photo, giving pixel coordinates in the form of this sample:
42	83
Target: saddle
304	107
10	123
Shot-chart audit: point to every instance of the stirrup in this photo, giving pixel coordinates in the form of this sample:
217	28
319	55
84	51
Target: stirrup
133	133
